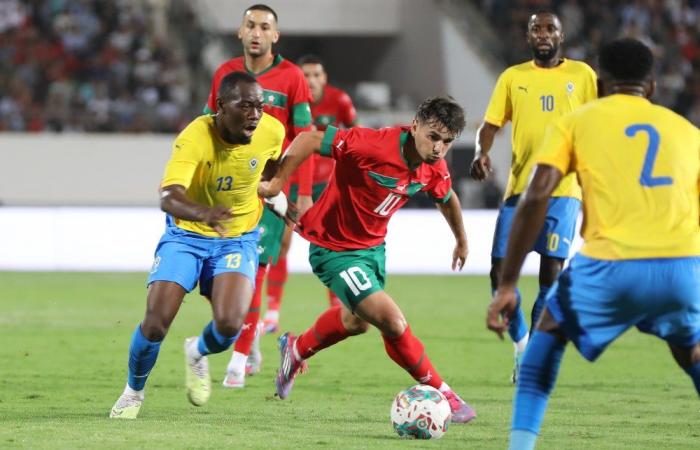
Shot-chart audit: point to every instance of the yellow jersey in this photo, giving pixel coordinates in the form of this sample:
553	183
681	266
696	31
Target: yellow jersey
215	172
639	168
531	97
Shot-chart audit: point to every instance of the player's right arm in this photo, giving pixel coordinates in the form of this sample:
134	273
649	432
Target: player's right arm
481	165
178	176
174	201
497	114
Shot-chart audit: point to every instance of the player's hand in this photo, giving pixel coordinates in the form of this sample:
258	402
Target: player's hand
304	202
459	255
269	188
481	167
502	307
214	217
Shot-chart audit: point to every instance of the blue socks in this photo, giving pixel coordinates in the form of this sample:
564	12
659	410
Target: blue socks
517	328
142	357
538	373
539	305
211	341
694	372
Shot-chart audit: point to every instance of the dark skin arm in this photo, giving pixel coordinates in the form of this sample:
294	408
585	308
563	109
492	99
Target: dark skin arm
174	202
452	211
527	223
301	148
481	165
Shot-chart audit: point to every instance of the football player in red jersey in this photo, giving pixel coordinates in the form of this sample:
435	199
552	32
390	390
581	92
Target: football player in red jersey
331	106
376	172
287	97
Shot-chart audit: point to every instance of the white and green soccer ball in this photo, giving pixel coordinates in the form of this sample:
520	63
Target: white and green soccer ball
420	412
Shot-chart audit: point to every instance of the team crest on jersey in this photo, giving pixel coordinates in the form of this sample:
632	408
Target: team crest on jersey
570	87
253	163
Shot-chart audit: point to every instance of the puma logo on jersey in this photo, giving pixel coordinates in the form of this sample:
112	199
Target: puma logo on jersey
523	88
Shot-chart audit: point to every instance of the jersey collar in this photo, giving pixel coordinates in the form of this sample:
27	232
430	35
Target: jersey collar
275	62
402	143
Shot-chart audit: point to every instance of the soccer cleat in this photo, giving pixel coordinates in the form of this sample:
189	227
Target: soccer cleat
517	358
461	411
270	325
254	361
197	377
126	407
289	366
234	380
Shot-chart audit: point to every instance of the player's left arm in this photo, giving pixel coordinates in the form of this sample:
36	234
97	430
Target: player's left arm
301	98
348	114
452	212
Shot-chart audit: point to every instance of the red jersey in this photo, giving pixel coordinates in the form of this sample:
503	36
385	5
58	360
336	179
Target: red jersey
371	181
335	108
287	98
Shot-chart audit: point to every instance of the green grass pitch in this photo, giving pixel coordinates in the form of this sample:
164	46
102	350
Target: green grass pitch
63	350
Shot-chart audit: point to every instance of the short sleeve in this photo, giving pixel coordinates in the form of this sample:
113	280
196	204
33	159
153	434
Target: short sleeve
557	146
592	84
440	187
300	97
331	140
500	107
183	162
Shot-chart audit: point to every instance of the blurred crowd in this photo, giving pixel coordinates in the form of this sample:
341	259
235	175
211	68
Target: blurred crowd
92	65
671	28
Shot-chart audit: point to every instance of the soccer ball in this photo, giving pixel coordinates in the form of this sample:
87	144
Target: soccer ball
420	412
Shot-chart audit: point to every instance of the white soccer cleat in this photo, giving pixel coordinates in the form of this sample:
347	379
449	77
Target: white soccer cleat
126	407
234	380
197	378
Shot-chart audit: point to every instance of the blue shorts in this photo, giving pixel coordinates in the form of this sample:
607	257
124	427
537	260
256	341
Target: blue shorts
595	301
557	233
186	258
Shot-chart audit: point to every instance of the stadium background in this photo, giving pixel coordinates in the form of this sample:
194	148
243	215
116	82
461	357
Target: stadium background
93	92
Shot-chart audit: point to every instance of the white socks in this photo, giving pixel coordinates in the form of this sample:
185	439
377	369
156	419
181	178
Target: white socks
133	393
237	363
193	350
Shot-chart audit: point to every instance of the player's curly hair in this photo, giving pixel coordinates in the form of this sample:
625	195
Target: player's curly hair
626	60
445	110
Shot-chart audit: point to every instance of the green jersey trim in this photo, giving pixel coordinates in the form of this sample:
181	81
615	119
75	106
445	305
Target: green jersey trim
323	120
328	137
442	200
275	62
383	180
206	110
301	115
402	142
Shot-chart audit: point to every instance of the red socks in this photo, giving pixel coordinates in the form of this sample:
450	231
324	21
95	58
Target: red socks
327	331
333	299
408	352
245	340
276	278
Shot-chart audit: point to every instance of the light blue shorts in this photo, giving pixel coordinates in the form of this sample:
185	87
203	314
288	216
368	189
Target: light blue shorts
557	233
186	258
595	301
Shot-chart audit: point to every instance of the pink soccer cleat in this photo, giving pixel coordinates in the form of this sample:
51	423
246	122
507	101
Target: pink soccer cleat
461	411
289	366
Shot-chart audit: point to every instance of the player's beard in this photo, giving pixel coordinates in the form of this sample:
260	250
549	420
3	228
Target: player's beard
545	55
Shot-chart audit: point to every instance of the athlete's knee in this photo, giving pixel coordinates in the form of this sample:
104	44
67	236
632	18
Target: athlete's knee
228	326
154	328
392	326
353	324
